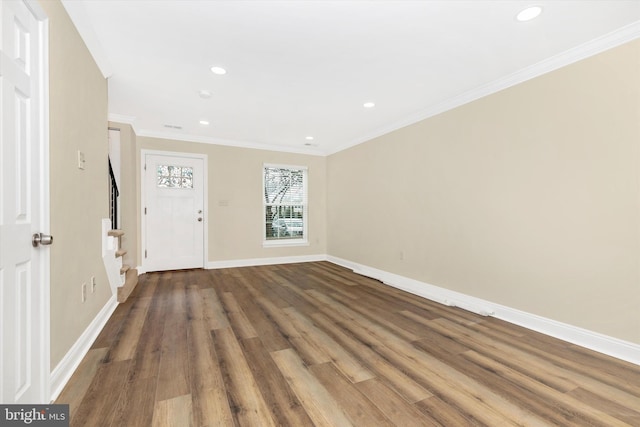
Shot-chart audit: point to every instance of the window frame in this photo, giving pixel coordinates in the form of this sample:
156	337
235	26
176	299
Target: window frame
286	241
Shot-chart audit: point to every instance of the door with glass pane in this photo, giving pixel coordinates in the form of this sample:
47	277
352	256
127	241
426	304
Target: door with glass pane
173	213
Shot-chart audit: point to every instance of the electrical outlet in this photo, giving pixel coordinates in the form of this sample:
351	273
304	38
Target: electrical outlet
84	292
93	284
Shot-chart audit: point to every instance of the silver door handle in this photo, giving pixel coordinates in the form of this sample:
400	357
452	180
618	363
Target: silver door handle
41	239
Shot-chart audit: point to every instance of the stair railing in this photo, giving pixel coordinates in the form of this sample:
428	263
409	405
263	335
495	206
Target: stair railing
113	199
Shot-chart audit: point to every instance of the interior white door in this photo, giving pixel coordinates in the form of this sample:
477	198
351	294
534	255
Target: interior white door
24	276
173	212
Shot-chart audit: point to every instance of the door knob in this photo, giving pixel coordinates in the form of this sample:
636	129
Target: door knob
200	219
41	239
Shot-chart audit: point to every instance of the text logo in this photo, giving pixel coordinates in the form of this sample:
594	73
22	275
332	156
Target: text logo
34	415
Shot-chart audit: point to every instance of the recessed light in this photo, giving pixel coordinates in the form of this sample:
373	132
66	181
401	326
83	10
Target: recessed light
204	122
369	105
529	13
309	138
218	70
204	94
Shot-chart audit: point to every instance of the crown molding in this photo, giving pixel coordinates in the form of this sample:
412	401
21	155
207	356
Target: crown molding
228	142
578	53
131	120
78	15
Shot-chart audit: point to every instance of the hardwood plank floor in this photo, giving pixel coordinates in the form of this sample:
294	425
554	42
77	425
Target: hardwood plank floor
315	344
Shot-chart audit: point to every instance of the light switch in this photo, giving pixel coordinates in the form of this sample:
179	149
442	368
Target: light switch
80	160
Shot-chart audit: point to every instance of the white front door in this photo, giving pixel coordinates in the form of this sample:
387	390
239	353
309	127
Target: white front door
24	174
173	211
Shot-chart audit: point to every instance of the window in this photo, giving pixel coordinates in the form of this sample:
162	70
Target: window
175	176
285	205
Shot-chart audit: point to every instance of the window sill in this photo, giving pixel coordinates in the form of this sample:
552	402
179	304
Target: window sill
284	243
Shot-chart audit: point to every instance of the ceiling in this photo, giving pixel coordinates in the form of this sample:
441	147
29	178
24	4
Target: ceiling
299	69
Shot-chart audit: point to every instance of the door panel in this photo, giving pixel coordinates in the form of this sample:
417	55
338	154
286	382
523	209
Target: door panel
22	320
24	331
175	218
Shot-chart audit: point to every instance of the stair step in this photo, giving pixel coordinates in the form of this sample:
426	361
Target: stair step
120	252
115	233
124	269
129	285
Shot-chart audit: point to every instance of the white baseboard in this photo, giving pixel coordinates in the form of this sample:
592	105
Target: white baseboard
69	363
611	346
250	262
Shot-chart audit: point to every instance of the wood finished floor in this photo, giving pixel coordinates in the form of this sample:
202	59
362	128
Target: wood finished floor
315	344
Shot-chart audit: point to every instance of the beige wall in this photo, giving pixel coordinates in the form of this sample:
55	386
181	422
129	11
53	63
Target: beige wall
79	198
235	198
529	198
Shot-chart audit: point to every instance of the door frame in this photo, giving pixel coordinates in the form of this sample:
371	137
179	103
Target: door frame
143	196
45	199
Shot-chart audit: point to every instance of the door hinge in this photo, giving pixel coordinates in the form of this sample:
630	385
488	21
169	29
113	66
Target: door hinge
145	253
145	166
145	211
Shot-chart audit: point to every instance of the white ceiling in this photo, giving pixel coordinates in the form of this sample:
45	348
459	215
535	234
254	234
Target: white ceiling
305	68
